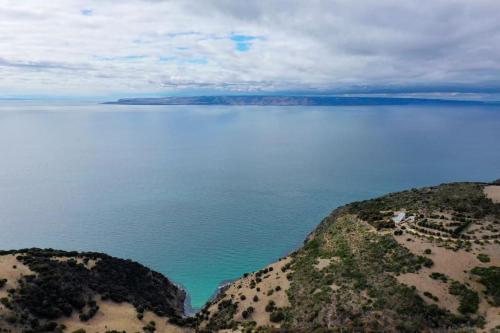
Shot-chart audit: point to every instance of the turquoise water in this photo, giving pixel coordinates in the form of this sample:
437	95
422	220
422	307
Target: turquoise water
204	194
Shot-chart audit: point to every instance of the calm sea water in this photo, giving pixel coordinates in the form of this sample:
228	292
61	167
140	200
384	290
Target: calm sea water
204	194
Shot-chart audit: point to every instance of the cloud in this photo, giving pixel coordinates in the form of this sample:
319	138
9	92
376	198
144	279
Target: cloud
141	46
41	65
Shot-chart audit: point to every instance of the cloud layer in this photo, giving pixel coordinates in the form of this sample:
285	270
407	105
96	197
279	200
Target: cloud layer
152	46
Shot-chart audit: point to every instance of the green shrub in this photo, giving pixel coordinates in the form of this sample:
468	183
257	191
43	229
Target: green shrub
270	306
277	316
11	319
246	313
6	302
431	296
490	278
483	257
150	327
439	276
469	299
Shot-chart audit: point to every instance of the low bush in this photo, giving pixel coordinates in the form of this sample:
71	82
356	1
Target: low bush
490	278
469	299
439	276
277	316
270	306
483	257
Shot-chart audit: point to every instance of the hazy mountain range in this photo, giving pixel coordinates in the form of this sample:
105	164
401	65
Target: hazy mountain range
291	100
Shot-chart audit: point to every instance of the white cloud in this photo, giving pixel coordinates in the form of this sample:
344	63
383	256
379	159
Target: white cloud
138	46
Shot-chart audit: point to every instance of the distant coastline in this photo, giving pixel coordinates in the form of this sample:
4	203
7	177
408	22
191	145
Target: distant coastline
293	101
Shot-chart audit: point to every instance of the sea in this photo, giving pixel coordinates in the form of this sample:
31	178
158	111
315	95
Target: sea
204	194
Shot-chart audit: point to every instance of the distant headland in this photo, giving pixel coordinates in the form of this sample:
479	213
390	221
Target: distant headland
293	101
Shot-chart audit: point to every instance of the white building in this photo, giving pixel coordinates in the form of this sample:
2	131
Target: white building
399	218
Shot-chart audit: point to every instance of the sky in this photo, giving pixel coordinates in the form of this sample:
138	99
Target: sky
148	47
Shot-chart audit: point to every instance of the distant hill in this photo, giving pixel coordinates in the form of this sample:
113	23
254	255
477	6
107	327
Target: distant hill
290	101
421	260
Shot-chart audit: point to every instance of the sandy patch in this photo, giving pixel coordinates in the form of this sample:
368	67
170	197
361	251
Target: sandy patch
7	271
456	265
120	317
323	263
493	192
89	264
492	318
423	282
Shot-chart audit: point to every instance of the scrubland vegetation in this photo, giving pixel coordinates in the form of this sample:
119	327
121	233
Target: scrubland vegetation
346	277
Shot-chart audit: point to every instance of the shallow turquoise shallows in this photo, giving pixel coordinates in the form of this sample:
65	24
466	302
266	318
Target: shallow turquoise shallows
204	194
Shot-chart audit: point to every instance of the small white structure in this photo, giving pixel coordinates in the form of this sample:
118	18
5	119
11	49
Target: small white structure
399	218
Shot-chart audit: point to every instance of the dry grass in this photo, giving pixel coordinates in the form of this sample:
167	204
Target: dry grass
456	265
269	282
120	317
7	271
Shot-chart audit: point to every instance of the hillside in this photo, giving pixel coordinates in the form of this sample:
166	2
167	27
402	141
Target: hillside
419	260
51	290
436	269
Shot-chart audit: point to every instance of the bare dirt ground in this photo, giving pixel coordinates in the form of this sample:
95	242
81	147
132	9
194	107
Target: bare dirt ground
12	270
89	264
493	192
456	265
323	263
120	317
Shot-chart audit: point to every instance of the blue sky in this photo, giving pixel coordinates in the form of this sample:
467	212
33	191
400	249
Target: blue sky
140	47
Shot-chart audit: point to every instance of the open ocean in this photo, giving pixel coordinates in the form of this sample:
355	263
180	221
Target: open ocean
206	193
